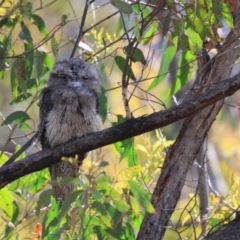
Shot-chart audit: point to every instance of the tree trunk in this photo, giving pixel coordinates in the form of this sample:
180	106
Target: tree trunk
183	152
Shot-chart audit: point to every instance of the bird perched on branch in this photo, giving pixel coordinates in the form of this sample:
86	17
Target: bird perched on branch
69	109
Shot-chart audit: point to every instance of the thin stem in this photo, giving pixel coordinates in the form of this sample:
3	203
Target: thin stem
87	4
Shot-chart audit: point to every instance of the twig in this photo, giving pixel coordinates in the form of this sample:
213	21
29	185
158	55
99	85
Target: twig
22	149
80	34
12	10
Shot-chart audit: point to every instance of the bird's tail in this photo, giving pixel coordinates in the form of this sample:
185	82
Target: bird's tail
63	176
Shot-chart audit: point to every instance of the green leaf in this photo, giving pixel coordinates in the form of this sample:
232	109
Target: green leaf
103	104
184	72
14	220
135	54
44	200
108	189
226	13
38	65
68	201
141	10
167	58
142	196
121	205
54	46
119	26
6	201
149	33
27	9
17	117
121	63
134	205
125	147
137	29
38	21
50	220
122	6
103	178
132	156
14	83
195	42
96	194
37	183
25	33
64	19
24	126
20	98
114	214
103	164
48	61
20	72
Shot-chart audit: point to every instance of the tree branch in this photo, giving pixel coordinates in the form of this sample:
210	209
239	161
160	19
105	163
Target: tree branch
130	128
80	34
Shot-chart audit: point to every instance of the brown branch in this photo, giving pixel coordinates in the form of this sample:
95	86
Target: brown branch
184	150
130	128
80	34
230	231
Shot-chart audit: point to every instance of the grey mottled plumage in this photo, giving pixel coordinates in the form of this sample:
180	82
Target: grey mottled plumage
68	109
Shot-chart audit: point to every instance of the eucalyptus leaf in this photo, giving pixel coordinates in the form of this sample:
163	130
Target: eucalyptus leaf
17	117
122	6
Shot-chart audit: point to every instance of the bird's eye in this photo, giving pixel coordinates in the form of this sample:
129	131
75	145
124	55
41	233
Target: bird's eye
85	78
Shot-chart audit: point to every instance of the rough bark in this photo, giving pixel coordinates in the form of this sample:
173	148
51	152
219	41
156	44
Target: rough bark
230	231
183	152
130	128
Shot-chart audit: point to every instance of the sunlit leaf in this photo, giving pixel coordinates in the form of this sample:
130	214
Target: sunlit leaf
227	14
108	189
37	183
142	148
132	156
48	61
134	205
103	179
6	202
96	194
50	220
149	33
141	195
121	205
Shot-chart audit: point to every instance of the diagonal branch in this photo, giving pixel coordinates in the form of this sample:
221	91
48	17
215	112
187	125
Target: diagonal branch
81	33
130	128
